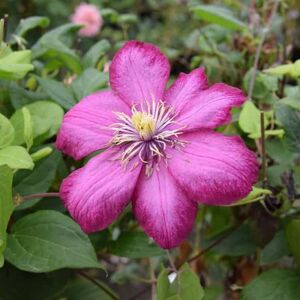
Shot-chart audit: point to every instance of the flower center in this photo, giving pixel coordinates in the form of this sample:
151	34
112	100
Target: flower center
146	134
144	124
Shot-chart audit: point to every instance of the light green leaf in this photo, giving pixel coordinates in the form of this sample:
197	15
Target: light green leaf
134	245
15	65
6	205
31	23
48	240
292	69
46	119
186	285
272	285
256	194
91	58
16	157
28	127
293	238
88	82
7	132
218	15
58	92
249	119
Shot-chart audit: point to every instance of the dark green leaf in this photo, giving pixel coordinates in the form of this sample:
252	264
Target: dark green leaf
88	82
58	92
134	245
272	285
275	250
91	58
48	240
31	23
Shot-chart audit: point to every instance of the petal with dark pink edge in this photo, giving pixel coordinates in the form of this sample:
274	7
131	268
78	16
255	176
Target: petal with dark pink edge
96	194
85	127
139	72
163	209
214	169
185	88
210	108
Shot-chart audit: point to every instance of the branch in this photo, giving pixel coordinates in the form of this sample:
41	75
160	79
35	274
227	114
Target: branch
263	149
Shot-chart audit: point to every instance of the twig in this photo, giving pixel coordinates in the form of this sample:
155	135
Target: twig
98	284
263	149
42	195
259	48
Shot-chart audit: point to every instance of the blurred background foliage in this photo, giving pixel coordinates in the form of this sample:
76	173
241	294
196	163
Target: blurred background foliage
249	251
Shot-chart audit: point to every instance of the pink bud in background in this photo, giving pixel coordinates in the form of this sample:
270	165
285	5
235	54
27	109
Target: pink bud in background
89	16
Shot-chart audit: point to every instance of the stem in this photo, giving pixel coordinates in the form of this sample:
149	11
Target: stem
5	26
259	48
98	284
173	267
263	149
41	195
153	280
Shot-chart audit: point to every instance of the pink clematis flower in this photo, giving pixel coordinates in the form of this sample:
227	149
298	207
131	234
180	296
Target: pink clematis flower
161	150
89	16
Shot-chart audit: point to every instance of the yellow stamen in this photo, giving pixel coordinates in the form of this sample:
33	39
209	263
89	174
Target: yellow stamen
144	124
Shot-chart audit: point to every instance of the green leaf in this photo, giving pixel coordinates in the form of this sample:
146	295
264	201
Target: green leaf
292	69
39	180
88	82
291	102
58	92
273	284
19	285
16	157
91	58
7	132
134	244
54	44
249	119
290	120
256	194
218	15
6	206
46	119
275	249
240	242
28	130
81	288
31	23
15	65
48	240
293	238
186	285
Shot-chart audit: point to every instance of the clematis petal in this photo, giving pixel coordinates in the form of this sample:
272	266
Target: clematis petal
96	194
185	88
210	108
139	72
214	169
85	127
163	209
